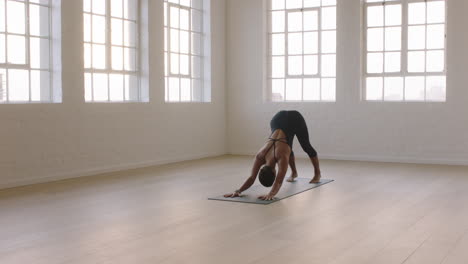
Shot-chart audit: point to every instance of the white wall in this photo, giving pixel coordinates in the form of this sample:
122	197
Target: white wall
350	128
43	142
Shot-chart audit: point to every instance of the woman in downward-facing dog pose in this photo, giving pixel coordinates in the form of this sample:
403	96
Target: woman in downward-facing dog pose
278	150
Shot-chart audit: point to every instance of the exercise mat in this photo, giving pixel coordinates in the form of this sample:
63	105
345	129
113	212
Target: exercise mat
288	189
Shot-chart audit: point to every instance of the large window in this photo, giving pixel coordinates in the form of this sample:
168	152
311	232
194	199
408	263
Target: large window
111	50
184	51
25	51
302	50
405	50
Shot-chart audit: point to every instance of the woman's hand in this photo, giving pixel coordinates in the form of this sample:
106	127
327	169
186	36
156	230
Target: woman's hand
232	195
267	197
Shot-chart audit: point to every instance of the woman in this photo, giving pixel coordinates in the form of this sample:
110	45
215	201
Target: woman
278	150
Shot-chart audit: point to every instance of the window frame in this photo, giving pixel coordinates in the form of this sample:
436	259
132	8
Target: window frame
319	53
108	49
403	73
191	54
7	66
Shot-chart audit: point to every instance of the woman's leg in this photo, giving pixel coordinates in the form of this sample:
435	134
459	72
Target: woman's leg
302	134
292	164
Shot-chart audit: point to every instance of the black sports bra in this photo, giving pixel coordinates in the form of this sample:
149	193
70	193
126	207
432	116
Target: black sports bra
282	140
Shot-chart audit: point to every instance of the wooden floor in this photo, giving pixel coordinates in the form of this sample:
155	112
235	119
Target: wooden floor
373	213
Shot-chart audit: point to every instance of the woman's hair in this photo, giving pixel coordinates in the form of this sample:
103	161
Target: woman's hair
266	176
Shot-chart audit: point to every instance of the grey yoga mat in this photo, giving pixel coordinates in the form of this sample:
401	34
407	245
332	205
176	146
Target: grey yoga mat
288	189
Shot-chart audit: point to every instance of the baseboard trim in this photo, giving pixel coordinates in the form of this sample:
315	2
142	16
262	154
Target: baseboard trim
408	160
104	170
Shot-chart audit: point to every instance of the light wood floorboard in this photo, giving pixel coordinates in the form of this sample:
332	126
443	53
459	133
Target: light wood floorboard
374	213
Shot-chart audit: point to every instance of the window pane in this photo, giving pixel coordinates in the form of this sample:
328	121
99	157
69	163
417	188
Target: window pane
328	89
393	15
414	88
435	88
294	21
99	56
416	37
416	61
311	90
310	65
393	90
310	20
329	41
277	21
277	4
185	90
184	19
130	59
375	16
40	79
375	39
87	27
392	61
329	18
416	13
117	58
277	44
130	9
393	38
184	42
117	9
329	65
435	36
174	15
375	63
130	34
293	89
295	65
435	61
2	48
436	12
131	88
295	43
88	87
174	40
184	64
39	24
16	49
87	56
100	87
39	54
277	86
312	3
116	87
291	4
87	5
99	7
277	69
374	88
311	43
99	29
174	89
117	31
18	84
2	22
16	17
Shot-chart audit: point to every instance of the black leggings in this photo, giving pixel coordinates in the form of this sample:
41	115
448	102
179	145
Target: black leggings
293	124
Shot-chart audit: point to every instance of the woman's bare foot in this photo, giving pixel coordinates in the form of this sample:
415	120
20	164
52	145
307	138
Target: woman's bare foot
316	178
292	177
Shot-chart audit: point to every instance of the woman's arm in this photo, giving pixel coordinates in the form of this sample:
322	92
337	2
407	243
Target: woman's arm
258	162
